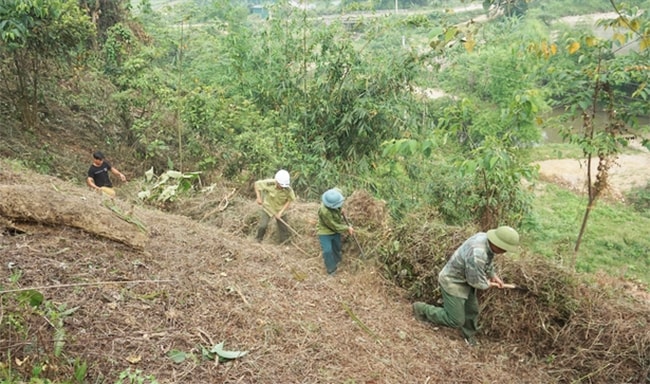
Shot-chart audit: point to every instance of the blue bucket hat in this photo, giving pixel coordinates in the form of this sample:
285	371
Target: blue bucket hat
333	198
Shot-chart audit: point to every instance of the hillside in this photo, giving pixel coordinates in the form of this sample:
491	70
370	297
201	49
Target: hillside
194	285
146	295
209	286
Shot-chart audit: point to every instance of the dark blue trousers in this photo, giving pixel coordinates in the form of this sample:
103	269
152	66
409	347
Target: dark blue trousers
331	245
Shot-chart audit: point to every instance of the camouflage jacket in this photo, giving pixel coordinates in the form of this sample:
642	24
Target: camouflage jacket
330	221
469	267
273	199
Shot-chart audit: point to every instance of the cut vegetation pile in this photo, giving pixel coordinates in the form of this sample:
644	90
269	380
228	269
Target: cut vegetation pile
585	328
202	281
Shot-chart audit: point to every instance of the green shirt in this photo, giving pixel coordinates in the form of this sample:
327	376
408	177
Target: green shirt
273	199
469	267
330	221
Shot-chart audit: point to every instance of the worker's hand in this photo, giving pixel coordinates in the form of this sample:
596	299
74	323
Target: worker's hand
259	200
122	177
351	230
496	282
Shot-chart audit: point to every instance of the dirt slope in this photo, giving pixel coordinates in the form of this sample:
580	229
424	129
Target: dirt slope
209	286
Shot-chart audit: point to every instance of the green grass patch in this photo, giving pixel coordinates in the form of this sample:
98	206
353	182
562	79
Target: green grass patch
554	151
616	241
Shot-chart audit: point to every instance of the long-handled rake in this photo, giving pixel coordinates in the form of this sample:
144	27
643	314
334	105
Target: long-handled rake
363	256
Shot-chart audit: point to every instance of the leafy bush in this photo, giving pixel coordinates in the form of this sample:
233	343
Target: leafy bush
639	198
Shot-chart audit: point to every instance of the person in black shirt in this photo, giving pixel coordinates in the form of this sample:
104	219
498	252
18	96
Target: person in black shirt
98	179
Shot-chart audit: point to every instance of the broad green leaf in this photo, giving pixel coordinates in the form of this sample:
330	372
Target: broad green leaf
32	297
177	356
450	34
174	174
184	186
413	147
218	349
493	161
168	193
436	31
59	341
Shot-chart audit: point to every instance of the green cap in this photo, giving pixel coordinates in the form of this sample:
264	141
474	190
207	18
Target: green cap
504	237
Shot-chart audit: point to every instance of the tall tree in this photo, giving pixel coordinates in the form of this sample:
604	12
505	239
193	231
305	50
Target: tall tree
603	79
34	35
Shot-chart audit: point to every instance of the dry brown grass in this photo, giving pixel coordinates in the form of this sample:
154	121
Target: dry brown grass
299	325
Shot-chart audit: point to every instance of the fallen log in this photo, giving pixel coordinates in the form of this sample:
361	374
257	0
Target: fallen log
25	203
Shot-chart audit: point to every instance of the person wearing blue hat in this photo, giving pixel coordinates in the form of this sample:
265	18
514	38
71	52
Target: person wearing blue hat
331	224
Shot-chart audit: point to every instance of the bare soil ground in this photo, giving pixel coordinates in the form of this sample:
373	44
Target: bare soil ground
630	171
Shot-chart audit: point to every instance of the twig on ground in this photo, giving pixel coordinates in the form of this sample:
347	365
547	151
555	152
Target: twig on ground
359	322
85	285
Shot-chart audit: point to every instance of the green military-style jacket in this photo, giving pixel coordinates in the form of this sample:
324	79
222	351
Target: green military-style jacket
469	267
273	199
330	221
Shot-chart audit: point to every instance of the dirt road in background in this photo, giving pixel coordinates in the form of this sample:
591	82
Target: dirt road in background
630	171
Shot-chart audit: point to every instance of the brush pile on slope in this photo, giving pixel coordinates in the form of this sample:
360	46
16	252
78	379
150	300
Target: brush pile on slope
585	329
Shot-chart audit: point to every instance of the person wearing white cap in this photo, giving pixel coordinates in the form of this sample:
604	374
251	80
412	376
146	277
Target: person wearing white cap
274	195
330	226
469	268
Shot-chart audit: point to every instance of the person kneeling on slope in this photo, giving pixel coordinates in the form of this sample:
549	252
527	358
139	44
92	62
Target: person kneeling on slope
469	268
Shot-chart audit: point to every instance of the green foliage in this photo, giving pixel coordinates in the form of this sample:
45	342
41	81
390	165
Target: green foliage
480	163
250	142
21	309
639	198
419	248
136	376
217	352
285	94
600	78
352	105
105	14
167	187
80	370
48	27
32	33
507	7
610	245
118	46
501	69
